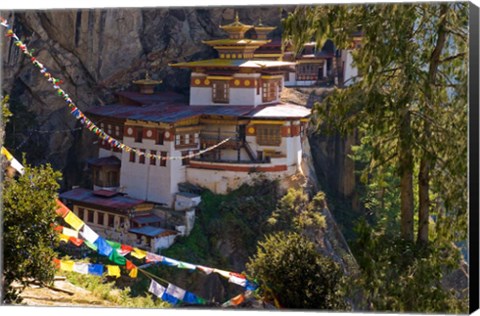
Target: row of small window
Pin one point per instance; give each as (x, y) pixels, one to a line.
(153, 160)
(220, 91)
(110, 129)
(102, 219)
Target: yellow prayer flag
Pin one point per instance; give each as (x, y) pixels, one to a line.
(74, 221)
(7, 153)
(113, 271)
(133, 273)
(67, 265)
(64, 237)
(138, 253)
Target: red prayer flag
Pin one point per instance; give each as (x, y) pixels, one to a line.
(130, 265)
(58, 228)
(62, 209)
(57, 263)
(76, 241)
(126, 248)
(237, 300)
(238, 275)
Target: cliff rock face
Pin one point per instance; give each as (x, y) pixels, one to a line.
(97, 52)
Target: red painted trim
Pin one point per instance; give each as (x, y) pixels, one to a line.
(278, 168)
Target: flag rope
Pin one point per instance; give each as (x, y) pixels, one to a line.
(78, 114)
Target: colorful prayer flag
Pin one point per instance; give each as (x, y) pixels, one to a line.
(80, 267)
(88, 234)
(175, 291)
(138, 253)
(133, 273)
(95, 269)
(103, 248)
(156, 289)
(113, 271)
(70, 232)
(62, 210)
(74, 221)
(66, 265)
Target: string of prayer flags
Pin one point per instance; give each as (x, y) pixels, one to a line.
(113, 271)
(205, 270)
(74, 221)
(78, 114)
(114, 244)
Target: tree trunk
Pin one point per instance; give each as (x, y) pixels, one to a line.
(424, 200)
(426, 160)
(406, 178)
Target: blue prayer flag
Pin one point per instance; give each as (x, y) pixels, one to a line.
(96, 269)
(103, 248)
(169, 298)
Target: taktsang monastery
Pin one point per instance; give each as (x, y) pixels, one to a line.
(235, 97)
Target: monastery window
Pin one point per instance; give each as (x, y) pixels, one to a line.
(163, 162)
(109, 129)
(90, 214)
(138, 135)
(220, 91)
(141, 158)
(269, 91)
(153, 158)
(111, 220)
(117, 130)
(81, 213)
(269, 135)
(102, 126)
(100, 216)
(132, 156)
(160, 137)
(186, 160)
(112, 179)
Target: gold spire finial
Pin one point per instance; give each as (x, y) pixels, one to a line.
(260, 21)
(147, 75)
(236, 17)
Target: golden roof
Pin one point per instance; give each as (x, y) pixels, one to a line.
(147, 80)
(233, 41)
(236, 26)
(233, 63)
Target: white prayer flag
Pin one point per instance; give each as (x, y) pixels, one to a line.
(156, 289)
(80, 267)
(70, 232)
(237, 280)
(175, 291)
(89, 234)
(17, 166)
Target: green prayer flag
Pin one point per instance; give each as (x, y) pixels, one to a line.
(114, 244)
(118, 259)
(90, 245)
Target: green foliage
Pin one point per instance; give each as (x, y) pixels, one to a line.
(399, 276)
(296, 212)
(295, 275)
(238, 218)
(28, 237)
